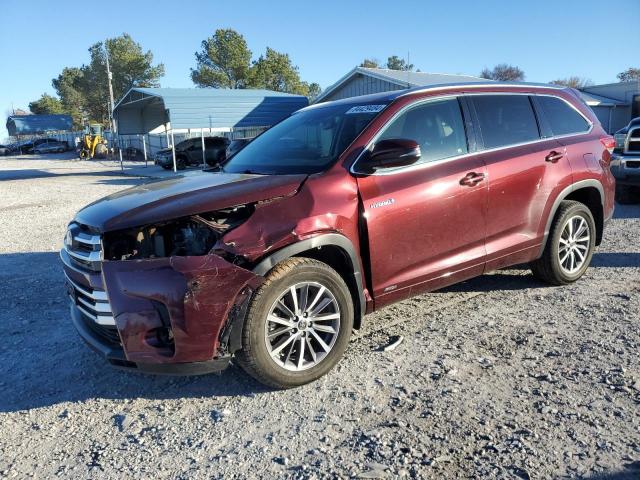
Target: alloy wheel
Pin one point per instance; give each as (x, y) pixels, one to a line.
(574, 244)
(302, 326)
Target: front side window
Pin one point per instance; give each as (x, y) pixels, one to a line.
(562, 119)
(308, 141)
(505, 119)
(437, 126)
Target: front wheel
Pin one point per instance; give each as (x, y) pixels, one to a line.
(570, 245)
(298, 324)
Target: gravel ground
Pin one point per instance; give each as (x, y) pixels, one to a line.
(498, 377)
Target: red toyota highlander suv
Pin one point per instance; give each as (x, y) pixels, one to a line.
(339, 210)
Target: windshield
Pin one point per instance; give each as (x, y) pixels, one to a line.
(307, 142)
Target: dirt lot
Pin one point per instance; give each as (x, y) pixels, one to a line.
(499, 377)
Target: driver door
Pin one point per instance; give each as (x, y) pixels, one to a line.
(426, 222)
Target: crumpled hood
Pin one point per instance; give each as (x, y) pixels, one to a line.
(184, 195)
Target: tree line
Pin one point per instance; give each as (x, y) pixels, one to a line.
(83, 92)
(510, 73)
(223, 61)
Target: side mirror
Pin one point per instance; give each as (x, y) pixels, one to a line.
(394, 152)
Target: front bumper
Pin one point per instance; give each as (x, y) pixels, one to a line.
(199, 301)
(115, 354)
(626, 169)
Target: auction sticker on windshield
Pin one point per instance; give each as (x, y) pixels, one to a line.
(366, 109)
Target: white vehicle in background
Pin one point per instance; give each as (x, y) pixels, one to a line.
(50, 146)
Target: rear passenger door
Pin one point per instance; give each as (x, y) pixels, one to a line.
(525, 167)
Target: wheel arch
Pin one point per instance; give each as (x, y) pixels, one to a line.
(335, 250)
(589, 192)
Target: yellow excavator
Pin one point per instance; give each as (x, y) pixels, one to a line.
(93, 144)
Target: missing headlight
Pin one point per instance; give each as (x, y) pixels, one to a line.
(188, 236)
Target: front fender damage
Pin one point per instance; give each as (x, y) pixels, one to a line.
(176, 309)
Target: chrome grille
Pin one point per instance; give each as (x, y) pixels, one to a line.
(85, 251)
(83, 247)
(633, 141)
(93, 303)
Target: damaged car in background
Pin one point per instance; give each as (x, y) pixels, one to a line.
(189, 153)
(273, 257)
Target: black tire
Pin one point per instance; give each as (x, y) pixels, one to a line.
(254, 356)
(548, 268)
(180, 163)
(627, 194)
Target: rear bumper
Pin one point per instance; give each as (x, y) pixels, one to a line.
(626, 169)
(177, 316)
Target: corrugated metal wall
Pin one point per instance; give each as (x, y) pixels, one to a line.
(362, 85)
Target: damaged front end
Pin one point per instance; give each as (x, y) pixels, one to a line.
(176, 298)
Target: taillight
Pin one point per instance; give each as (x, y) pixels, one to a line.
(609, 143)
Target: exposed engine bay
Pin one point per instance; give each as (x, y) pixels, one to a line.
(189, 236)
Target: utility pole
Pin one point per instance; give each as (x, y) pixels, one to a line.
(109, 77)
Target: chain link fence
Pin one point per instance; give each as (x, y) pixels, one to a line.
(139, 150)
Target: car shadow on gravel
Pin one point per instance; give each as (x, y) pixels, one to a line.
(83, 376)
(501, 280)
(28, 174)
(630, 471)
(616, 260)
(126, 182)
(519, 277)
(626, 211)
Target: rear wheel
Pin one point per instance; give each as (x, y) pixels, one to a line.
(570, 245)
(298, 324)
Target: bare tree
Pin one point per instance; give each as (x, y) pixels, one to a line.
(370, 63)
(396, 63)
(573, 82)
(503, 73)
(629, 75)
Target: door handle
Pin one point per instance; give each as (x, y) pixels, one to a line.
(471, 179)
(553, 156)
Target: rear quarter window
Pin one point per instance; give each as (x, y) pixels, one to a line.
(563, 119)
(505, 120)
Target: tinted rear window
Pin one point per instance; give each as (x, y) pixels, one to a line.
(562, 119)
(505, 119)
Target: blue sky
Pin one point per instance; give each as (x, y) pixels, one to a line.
(548, 39)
